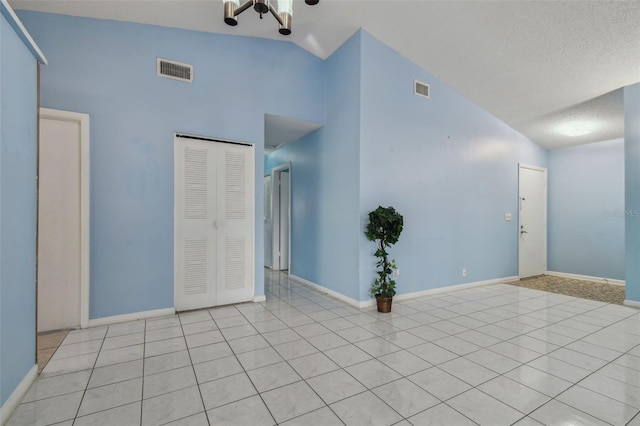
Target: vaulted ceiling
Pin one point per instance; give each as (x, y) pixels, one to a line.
(549, 69)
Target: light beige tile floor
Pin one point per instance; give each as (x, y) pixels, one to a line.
(492, 355)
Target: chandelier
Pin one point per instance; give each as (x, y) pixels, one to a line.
(284, 13)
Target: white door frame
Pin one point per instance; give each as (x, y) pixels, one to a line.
(544, 236)
(274, 172)
(83, 122)
(268, 232)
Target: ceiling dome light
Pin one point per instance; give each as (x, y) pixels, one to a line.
(284, 13)
(576, 128)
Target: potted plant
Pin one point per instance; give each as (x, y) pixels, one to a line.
(385, 225)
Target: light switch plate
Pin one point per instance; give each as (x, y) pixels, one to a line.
(507, 217)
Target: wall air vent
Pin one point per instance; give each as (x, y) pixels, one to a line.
(175, 70)
(421, 89)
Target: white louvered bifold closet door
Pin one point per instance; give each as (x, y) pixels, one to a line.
(213, 223)
(235, 224)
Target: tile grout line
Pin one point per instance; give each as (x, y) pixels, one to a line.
(559, 347)
(562, 347)
(290, 366)
(193, 368)
(246, 372)
(108, 384)
(367, 389)
(573, 384)
(144, 349)
(637, 416)
(86, 389)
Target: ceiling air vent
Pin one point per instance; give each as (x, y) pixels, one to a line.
(174, 70)
(421, 89)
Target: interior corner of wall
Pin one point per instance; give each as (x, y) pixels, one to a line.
(9, 405)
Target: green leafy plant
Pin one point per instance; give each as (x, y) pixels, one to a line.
(385, 226)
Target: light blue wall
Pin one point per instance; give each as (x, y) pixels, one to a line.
(586, 210)
(325, 181)
(339, 172)
(107, 69)
(632, 189)
(18, 123)
(447, 165)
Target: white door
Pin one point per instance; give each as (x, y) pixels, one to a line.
(532, 258)
(194, 224)
(284, 219)
(214, 230)
(280, 194)
(62, 213)
(235, 223)
(268, 224)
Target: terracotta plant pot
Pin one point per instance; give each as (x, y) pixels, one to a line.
(384, 304)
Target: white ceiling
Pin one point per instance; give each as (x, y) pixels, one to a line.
(535, 65)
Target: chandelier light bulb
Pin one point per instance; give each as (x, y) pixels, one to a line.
(283, 14)
(230, 8)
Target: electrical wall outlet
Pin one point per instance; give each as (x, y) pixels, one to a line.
(464, 272)
(396, 274)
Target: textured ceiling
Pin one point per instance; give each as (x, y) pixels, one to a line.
(536, 65)
(279, 131)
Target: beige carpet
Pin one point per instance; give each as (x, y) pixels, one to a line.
(608, 293)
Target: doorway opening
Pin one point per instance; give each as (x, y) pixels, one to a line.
(268, 223)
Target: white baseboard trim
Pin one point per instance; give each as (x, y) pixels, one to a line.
(258, 299)
(321, 289)
(369, 303)
(131, 317)
(587, 278)
(457, 287)
(631, 303)
(16, 396)
(398, 297)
